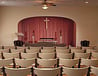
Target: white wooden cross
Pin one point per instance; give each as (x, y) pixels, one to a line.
(46, 22)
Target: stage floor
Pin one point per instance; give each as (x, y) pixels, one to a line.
(47, 44)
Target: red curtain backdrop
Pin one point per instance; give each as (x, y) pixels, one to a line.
(56, 26)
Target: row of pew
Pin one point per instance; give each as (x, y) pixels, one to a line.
(48, 61)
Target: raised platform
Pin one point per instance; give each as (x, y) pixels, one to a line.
(47, 44)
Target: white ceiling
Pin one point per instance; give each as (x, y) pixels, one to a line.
(39, 2)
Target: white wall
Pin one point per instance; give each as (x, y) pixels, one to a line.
(86, 19)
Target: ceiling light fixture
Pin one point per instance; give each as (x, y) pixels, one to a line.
(85, 1)
(44, 6)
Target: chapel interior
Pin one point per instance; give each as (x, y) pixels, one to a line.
(48, 38)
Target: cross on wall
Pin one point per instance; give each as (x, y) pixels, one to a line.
(46, 23)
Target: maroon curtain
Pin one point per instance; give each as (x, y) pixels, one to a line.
(56, 26)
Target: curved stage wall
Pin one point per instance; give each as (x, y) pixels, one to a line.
(62, 30)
